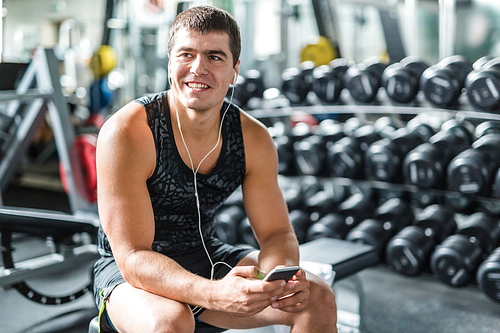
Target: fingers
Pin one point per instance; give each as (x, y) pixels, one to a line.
(248, 272)
(292, 302)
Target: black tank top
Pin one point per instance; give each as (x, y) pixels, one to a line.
(171, 186)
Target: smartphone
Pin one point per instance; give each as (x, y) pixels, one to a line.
(285, 273)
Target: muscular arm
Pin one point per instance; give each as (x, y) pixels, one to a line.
(263, 199)
(125, 160)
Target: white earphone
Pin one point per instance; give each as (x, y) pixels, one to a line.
(197, 309)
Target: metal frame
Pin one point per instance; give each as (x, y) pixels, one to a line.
(47, 97)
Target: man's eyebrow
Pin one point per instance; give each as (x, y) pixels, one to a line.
(207, 52)
(217, 52)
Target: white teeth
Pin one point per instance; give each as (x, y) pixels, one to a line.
(197, 86)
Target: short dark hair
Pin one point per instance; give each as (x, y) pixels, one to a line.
(204, 19)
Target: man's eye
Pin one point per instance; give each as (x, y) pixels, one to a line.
(185, 55)
(215, 58)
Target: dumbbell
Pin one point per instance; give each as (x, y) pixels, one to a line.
(409, 250)
(330, 130)
(246, 233)
(386, 126)
(401, 80)
(324, 201)
(238, 93)
(254, 83)
(472, 171)
(363, 80)
(355, 208)
(349, 213)
(310, 155)
(384, 158)
(483, 230)
(228, 222)
(371, 232)
(483, 86)
(297, 82)
(486, 127)
(345, 157)
(426, 165)
(328, 80)
(442, 84)
(284, 146)
(457, 258)
(351, 125)
(301, 222)
(389, 218)
(488, 275)
(294, 197)
(331, 225)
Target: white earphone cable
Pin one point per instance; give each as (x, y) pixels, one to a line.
(197, 309)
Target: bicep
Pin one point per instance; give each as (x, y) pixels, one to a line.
(123, 166)
(263, 199)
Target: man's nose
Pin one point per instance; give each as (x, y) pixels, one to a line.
(198, 67)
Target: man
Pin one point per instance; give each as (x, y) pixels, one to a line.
(165, 164)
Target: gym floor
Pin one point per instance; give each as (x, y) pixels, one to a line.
(391, 302)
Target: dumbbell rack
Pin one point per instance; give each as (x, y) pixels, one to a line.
(383, 107)
(38, 95)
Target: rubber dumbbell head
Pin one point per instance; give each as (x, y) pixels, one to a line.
(395, 214)
(293, 86)
(310, 156)
(488, 276)
(286, 158)
(437, 221)
(254, 84)
(472, 171)
(371, 232)
(364, 80)
(426, 165)
(487, 127)
(409, 250)
(401, 80)
(246, 233)
(442, 84)
(329, 226)
(331, 131)
(228, 222)
(483, 230)
(328, 80)
(456, 260)
(384, 158)
(356, 208)
(301, 222)
(483, 86)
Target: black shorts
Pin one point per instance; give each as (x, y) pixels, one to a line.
(107, 275)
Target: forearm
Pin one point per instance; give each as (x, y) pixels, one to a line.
(160, 275)
(279, 248)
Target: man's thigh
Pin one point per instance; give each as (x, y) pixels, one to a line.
(135, 310)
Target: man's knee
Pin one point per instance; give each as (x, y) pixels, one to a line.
(179, 320)
(322, 297)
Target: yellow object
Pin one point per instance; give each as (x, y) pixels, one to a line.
(103, 61)
(321, 52)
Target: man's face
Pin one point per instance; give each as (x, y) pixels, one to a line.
(201, 67)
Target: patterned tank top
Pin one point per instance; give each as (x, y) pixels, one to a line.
(171, 187)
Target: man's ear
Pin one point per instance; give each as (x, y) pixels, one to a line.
(236, 72)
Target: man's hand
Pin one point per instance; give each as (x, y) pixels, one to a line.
(242, 293)
(296, 295)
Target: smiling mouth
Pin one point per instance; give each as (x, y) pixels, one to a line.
(197, 86)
